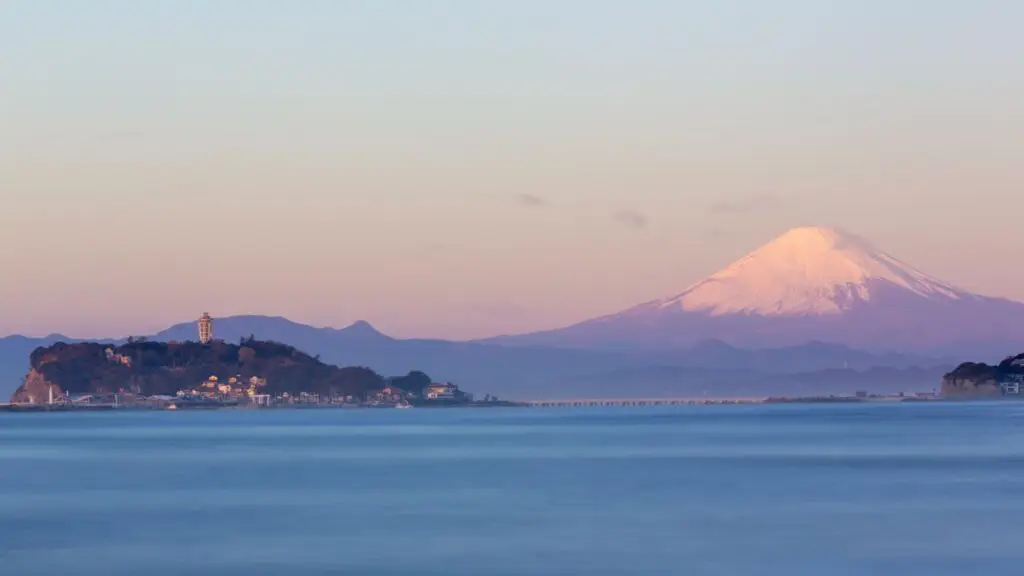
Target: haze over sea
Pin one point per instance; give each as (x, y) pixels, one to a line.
(921, 488)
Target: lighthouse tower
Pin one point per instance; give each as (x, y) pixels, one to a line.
(205, 328)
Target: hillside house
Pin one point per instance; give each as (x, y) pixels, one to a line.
(1012, 384)
(118, 358)
(441, 391)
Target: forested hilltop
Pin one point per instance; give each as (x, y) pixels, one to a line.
(151, 368)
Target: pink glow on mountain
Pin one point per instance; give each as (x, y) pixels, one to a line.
(806, 271)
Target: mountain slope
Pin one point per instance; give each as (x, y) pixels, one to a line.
(306, 338)
(809, 284)
(808, 271)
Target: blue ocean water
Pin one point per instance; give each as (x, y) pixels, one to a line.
(852, 489)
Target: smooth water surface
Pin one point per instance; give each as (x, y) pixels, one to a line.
(902, 489)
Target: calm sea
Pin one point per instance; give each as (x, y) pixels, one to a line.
(928, 489)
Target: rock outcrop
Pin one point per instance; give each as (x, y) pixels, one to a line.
(35, 389)
(970, 388)
(975, 380)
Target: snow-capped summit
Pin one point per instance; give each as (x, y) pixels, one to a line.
(809, 284)
(806, 271)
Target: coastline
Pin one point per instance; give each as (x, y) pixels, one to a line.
(552, 403)
(207, 406)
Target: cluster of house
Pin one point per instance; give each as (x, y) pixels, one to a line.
(390, 395)
(233, 387)
(118, 358)
(441, 391)
(238, 388)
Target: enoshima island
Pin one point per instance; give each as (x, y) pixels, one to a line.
(211, 373)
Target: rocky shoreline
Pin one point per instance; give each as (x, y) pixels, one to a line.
(977, 381)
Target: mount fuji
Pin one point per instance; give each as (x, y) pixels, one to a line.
(810, 284)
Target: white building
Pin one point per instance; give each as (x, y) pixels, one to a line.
(1012, 384)
(444, 391)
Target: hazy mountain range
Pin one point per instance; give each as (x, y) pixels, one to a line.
(539, 371)
(816, 310)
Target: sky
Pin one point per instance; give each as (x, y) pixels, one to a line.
(462, 169)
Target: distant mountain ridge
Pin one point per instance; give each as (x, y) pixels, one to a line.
(514, 372)
(282, 329)
(809, 284)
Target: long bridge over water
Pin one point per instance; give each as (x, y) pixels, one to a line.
(592, 402)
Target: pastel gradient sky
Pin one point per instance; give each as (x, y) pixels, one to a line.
(468, 168)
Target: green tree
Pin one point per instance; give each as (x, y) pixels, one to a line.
(414, 381)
